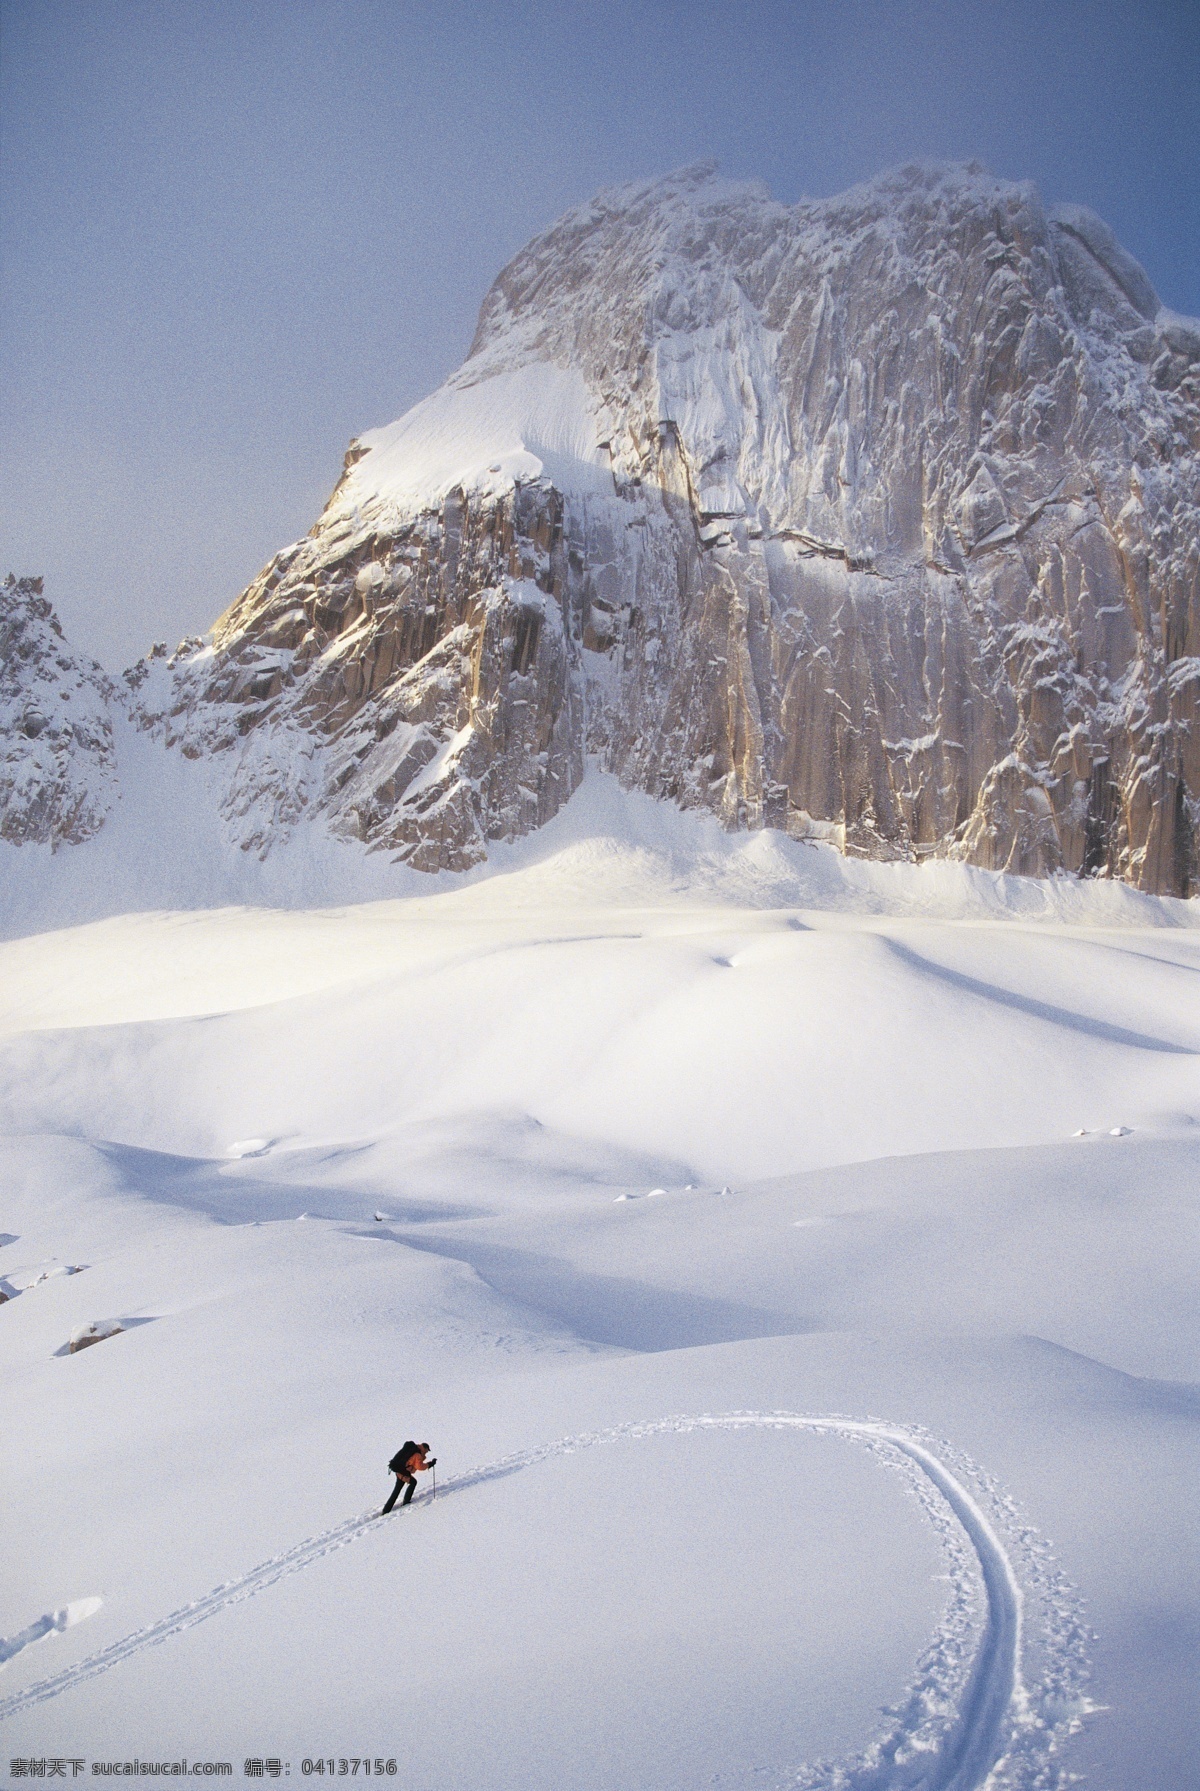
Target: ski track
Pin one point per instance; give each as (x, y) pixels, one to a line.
(976, 1733)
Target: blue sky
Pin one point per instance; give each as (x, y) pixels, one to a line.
(235, 235)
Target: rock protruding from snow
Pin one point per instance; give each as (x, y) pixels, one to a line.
(84, 1336)
(875, 519)
(57, 766)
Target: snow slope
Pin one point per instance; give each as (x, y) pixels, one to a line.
(166, 846)
(484, 434)
(715, 1207)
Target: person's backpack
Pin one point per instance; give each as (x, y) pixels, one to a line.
(397, 1465)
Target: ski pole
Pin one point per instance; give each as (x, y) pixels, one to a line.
(433, 1493)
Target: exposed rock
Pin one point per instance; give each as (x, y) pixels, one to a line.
(876, 519)
(96, 1332)
(417, 687)
(57, 767)
(25, 1280)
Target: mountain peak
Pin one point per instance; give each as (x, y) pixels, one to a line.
(871, 519)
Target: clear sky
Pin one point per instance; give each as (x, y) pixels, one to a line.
(236, 233)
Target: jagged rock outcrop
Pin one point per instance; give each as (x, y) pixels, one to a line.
(416, 689)
(875, 519)
(57, 765)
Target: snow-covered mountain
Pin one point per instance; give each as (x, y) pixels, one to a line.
(874, 519)
(791, 1257)
(57, 764)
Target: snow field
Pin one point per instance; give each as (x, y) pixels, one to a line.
(733, 1046)
(960, 1738)
(349, 1175)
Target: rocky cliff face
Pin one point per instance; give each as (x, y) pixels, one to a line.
(876, 519)
(57, 767)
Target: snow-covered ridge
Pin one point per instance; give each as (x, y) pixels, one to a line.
(699, 282)
(702, 273)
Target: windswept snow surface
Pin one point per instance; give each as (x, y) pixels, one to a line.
(483, 434)
(862, 1455)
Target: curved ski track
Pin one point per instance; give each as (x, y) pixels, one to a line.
(993, 1696)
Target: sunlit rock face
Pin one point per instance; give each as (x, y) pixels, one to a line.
(57, 765)
(875, 519)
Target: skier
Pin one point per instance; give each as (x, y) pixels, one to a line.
(409, 1460)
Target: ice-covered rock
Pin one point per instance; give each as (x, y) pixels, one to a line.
(875, 519)
(57, 767)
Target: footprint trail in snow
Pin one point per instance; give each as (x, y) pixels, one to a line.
(967, 1722)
